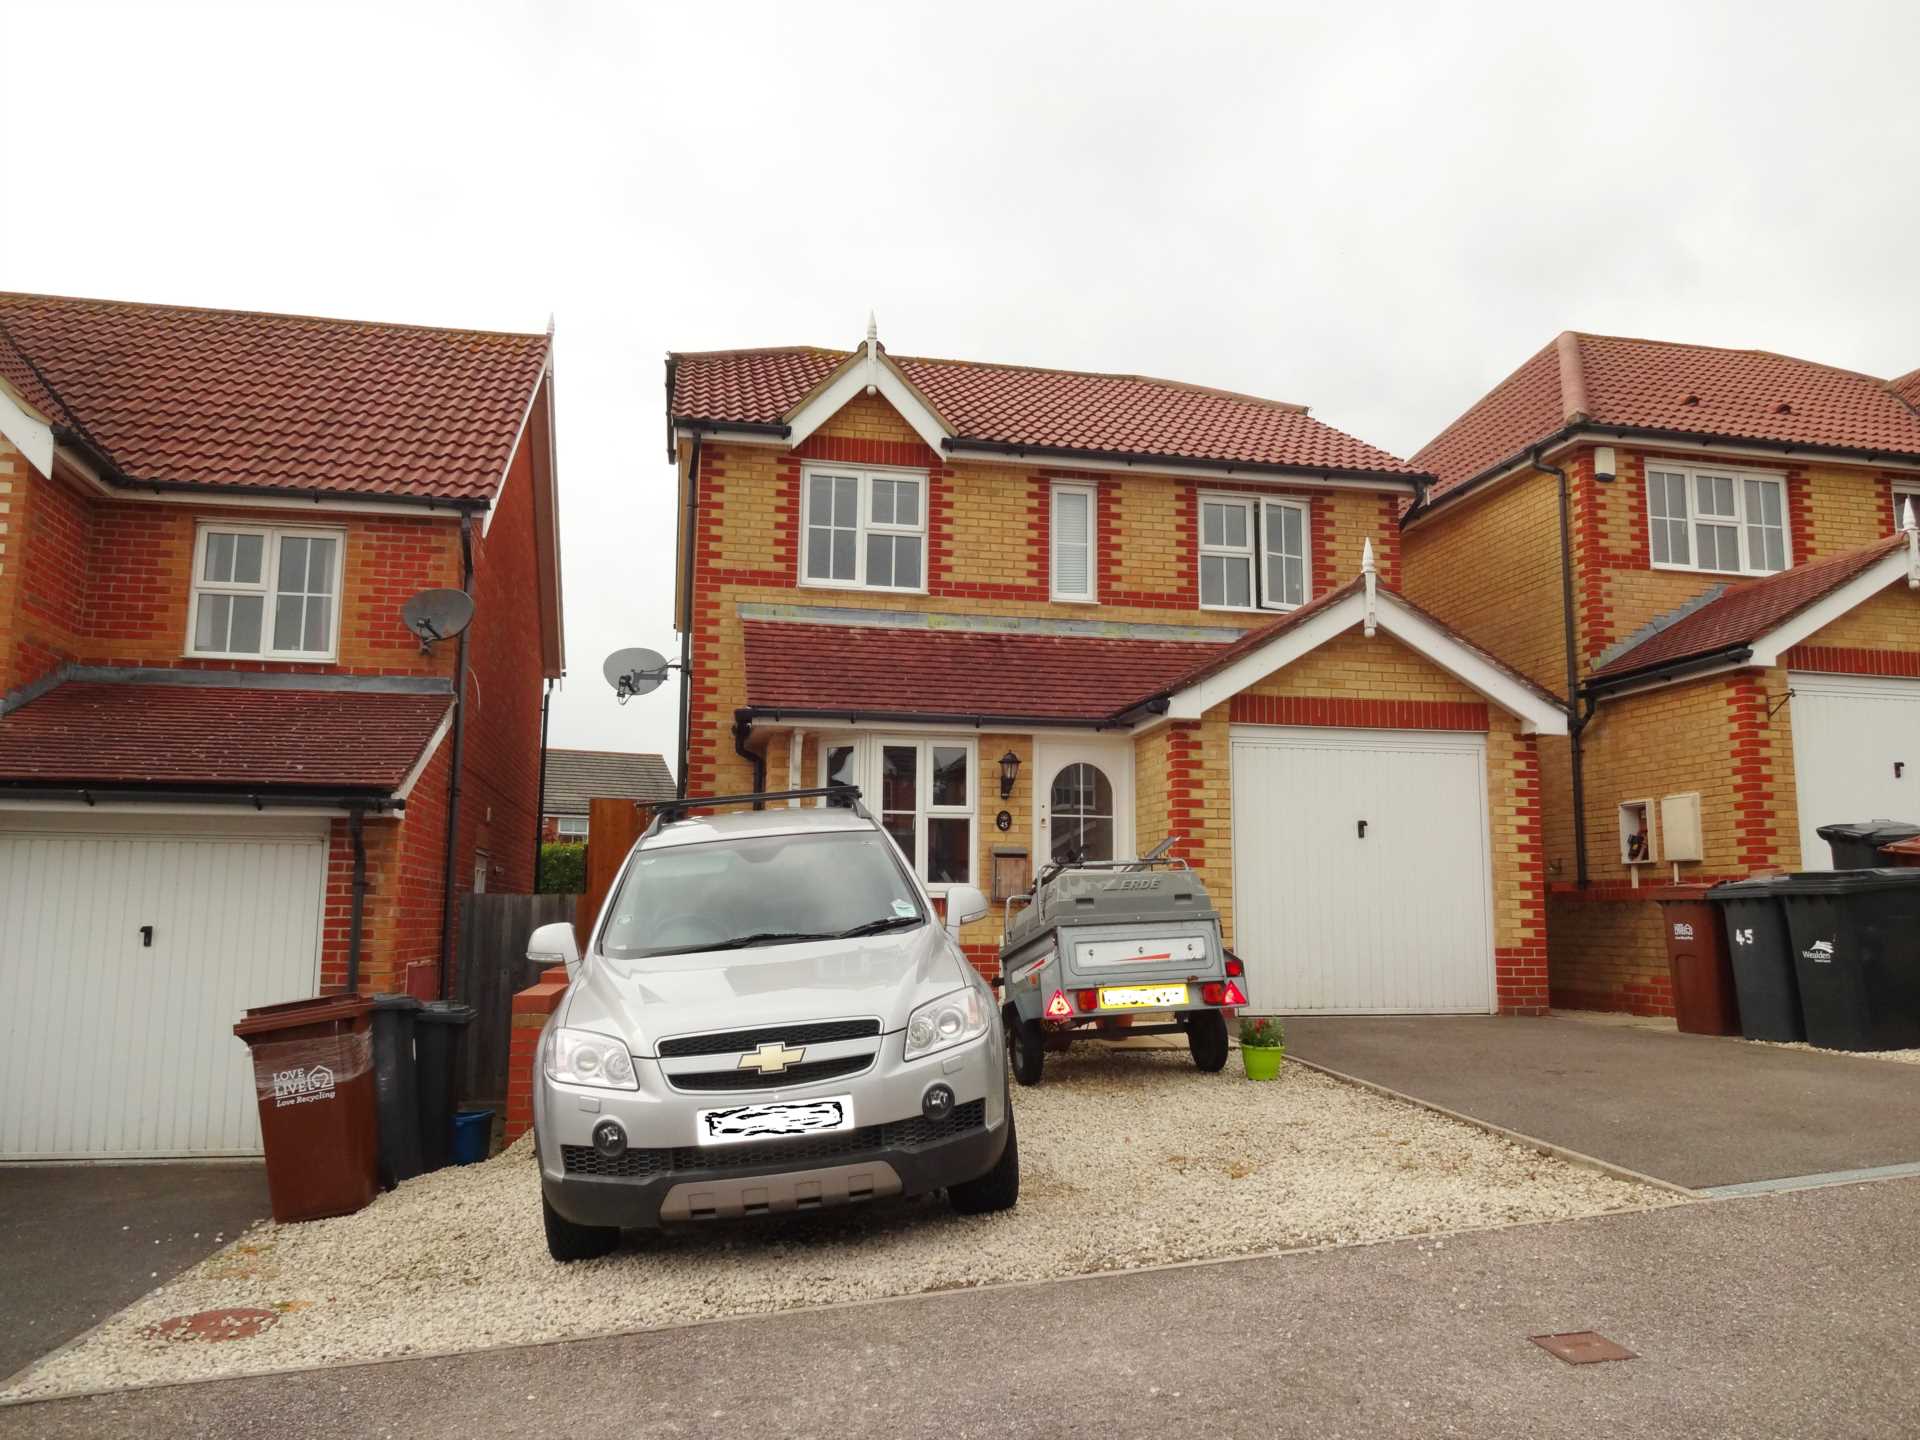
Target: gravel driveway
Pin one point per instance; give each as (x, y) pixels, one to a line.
(1128, 1159)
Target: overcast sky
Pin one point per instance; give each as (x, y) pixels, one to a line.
(1377, 212)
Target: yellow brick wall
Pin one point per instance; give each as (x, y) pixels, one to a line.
(1889, 621)
(1852, 507)
(1352, 667)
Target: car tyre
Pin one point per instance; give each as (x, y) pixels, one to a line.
(999, 1188)
(568, 1241)
(1207, 1040)
(1026, 1047)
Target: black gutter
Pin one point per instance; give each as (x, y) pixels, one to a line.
(742, 730)
(778, 713)
(279, 798)
(356, 823)
(733, 427)
(1042, 454)
(1671, 669)
(459, 753)
(690, 538)
(540, 807)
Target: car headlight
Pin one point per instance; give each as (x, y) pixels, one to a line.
(580, 1057)
(951, 1020)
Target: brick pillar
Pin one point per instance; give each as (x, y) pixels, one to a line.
(531, 1009)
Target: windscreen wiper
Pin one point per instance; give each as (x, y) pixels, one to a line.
(880, 927)
(769, 937)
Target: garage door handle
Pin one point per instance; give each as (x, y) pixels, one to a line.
(1363, 829)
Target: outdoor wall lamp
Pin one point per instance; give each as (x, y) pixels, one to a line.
(1009, 772)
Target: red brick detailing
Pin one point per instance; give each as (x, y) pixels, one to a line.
(1031, 581)
(1613, 892)
(1358, 714)
(1593, 609)
(1387, 550)
(984, 958)
(1186, 544)
(1320, 547)
(1652, 994)
(1753, 779)
(1186, 805)
(1520, 971)
(1110, 534)
(939, 528)
(1801, 539)
(1851, 660)
(531, 1009)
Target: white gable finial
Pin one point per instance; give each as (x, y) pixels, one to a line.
(873, 329)
(1913, 544)
(1368, 573)
(873, 354)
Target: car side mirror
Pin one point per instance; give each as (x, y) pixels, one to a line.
(965, 903)
(555, 945)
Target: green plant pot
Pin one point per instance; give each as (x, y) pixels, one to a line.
(1262, 1061)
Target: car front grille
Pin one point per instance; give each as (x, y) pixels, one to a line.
(793, 1075)
(801, 1149)
(723, 1042)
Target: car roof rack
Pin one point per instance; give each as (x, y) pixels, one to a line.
(668, 810)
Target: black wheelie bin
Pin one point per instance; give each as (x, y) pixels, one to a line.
(395, 1086)
(437, 1036)
(1762, 952)
(1856, 950)
(1856, 845)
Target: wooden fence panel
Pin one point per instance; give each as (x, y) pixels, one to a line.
(493, 958)
(612, 827)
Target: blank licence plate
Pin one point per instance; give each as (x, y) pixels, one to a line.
(737, 1123)
(1142, 997)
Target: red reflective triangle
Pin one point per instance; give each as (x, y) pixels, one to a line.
(1058, 1008)
(1234, 997)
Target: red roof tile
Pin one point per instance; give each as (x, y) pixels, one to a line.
(1040, 409)
(95, 733)
(1747, 612)
(225, 397)
(1738, 395)
(1907, 387)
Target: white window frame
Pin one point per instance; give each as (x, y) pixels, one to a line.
(1690, 476)
(864, 526)
(867, 752)
(1902, 493)
(1091, 595)
(564, 832)
(1259, 583)
(268, 587)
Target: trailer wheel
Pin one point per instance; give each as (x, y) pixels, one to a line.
(1207, 1040)
(1026, 1047)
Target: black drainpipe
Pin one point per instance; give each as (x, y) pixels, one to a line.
(1576, 722)
(459, 752)
(540, 806)
(356, 823)
(691, 541)
(742, 728)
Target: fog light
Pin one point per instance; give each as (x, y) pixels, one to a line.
(937, 1103)
(609, 1139)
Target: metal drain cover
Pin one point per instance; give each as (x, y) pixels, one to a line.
(1582, 1347)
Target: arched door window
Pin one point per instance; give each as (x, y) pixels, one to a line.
(1082, 813)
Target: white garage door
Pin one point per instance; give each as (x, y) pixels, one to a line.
(1856, 751)
(119, 1037)
(1362, 879)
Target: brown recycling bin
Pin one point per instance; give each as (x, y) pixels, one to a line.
(1704, 1000)
(313, 1072)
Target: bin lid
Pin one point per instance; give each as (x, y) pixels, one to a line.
(446, 1012)
(1753, 887)
(1881, 832)
(1846, 882)
(393, 1002)
(293, 1014)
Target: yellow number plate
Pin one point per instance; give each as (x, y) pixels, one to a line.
(1142, 997)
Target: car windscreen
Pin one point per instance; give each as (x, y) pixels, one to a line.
(773, 889)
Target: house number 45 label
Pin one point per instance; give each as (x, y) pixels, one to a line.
(1743, 937)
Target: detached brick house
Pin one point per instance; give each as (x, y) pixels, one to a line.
(227, 767)
(576, 778)
(1734, 604)
(1038, 613)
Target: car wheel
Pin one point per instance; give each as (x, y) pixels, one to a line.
(999, 1188)
(1026, 1047)
(568, 1241)
(1207, 1040)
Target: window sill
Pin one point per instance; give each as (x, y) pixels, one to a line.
(1074, 599)
(239, 659)
(1700, 570)
(849, 587)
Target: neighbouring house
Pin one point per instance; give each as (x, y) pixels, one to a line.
(576, 778)
(1039, 613)
(1730, 593)
(228, 770)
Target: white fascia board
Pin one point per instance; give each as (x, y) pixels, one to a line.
(858, 373)
(1538, 715)
(1768, 649)
(426, 756)
(26, 432)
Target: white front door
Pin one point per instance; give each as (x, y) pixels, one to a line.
(1082, 800)
(127, 951)
(1856, 754)
(1362, 871)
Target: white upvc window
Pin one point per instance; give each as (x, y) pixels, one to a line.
(1904, 495)
(1708, 518)
(1253, 553)
(924, 791)
(863, 529)
(267, 592)
(570, 828)
(1074, 527)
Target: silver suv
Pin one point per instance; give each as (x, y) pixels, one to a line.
(768, 1018)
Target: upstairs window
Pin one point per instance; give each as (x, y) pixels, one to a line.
(1072, 529)
(864, 529)
(265, 592)
(1716, 520)
(1253, 553)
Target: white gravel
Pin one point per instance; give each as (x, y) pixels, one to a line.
(1128, 1159)
(1898, 1057)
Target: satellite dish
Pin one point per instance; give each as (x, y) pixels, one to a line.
(635, 671)
(437, 615)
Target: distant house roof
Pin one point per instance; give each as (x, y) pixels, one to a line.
(1069, 411)
(1657, 387)
(169, 395)
(575, 777)
(105, 734)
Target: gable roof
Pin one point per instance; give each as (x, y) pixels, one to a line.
(1657, 387)
(576, 777)
(1018, 408)
(228, 399)
(1741, 616)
